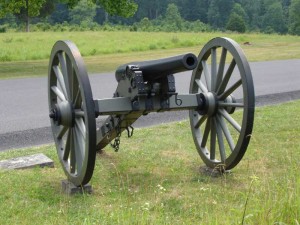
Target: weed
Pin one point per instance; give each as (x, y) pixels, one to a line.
(175, 39)
(8, 40)
(152, 46)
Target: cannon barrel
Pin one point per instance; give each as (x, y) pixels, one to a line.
(156, 69)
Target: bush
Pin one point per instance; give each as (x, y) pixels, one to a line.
(236, 23)
(3, 28)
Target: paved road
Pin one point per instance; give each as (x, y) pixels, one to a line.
(24, 104)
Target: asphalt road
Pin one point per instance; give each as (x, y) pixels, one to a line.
(24, 103)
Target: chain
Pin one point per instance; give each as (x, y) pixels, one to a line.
(117, 141)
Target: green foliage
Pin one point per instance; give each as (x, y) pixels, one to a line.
(236, 23)
(274, 18)
(218, 12)
(237, 19)
(269, 16)
(15, 6)
(172, 22)
(83, 13)
(29, 8)
(173, 19)
(294, 19)
(123, 8)
(252, 9)
(239, 10)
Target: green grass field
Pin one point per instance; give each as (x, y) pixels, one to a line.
(27, 54)
(155, 179)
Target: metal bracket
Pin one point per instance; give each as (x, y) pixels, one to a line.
(130, 130)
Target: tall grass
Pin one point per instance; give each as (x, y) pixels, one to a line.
(27, 54)
(37, 45)
(155, 179)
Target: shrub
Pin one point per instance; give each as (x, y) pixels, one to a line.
(236, 23)
(3, 28)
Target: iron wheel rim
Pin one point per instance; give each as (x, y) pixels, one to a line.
(75, 142)
(219, 115)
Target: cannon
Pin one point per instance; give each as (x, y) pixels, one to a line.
(220, 101)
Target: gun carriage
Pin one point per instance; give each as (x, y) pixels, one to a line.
(220, 103)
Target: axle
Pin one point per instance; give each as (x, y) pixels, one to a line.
(123, 112)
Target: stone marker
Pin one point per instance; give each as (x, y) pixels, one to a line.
(25, 162)
(70, 189)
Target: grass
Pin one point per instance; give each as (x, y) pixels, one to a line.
(155, 179)
(26, 55)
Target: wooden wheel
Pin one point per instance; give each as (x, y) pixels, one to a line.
(222, 130)
(72, 112)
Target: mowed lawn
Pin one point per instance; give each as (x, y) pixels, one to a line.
(155, 178)
(27, 54)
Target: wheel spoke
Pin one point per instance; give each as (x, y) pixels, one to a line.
(67, 146)
(221, 68)
(78, 99)
(75, 87)
(226, 132)
(201, 86)
(79, 148)
(60, 79)
(73, 153)
(81, 127)
(230, 90)
(71, 78)
(206, 75)
(206, 133)
(213, 68)
(226, 115)
(64, 70)
(227, 76)
(213, 139)
(200, 121)
(231, 104)
(79, 113)
(220, 141)
(58, 93)
(61, 132)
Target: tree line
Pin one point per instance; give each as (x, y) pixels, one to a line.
(268, 16)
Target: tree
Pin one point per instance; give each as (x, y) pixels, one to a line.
(123, 8)
(150, 9)
(31, 8)
(83, 13)
(253, 9)
(173, 18)
(236, 23)
(294, 17)
(190, 10)
(60, 14)
(218, 12)
(237, 19)
(274, 19)
(239, 10)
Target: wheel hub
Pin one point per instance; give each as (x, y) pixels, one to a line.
(230, 99)
(208, 104)
(63, 114)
